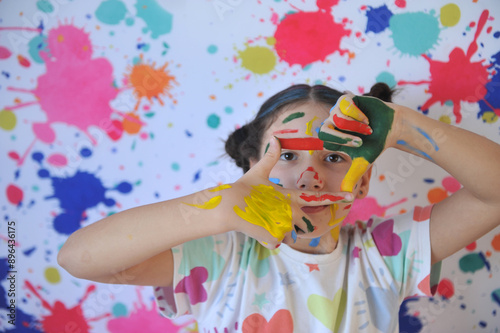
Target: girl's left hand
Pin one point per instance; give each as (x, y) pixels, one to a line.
(362, 127)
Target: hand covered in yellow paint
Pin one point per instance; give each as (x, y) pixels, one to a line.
(359, 126)
(269, 212)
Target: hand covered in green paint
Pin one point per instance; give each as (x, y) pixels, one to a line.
(269, 212)
(359, 126)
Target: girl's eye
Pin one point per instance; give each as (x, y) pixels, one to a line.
(334, 158)
(288, 156)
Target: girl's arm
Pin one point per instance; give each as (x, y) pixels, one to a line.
(133, 246)
(473, 160)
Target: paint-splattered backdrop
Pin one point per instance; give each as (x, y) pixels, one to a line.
(106, 105)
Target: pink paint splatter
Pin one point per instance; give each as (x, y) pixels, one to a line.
(193, 285)
(305, 37)
(57, 160)
(448, 83)
(62, 319)
(142, 319)
(363, 209)
(4, 52)
(388, 242)
(75, 90)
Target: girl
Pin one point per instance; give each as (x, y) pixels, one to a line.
(216, 254)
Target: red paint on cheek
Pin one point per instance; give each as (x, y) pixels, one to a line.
(351, 125)
(301, 144)
(286, 131)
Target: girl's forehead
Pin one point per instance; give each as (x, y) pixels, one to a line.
(300, 121)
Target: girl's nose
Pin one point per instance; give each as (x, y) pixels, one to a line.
(310, 180)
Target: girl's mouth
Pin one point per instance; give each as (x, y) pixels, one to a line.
(313, 209)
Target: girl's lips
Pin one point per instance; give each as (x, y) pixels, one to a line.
(313, 209)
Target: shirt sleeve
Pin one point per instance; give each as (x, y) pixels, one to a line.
(198, 264)
(404, 244)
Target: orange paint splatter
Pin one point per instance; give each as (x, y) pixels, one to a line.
(131, 123)
(212, 97)
(495, 242)
(381, 178)
(436, 195)
(149, 82)
(23, 61)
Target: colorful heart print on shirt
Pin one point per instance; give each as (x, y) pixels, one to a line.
(366, 151)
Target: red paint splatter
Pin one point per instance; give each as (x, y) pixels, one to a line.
(4, 52)
(286, 131)
(62, 319)
(301, 144)
(23, 61)
(459, 79)
(445, 288)
(324, 197)
(315, 176)
(351, 125)
(400, 3)
(14, 194)
(472, 246)
(305, 37)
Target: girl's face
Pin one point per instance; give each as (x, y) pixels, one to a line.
(311, 170)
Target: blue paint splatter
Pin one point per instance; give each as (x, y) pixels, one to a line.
(76, 194)
(418, 151)
(407, 322)
(197, 176)
(314, 242)
(188, 134)
(378, 19)
(492, 98)
(429, 180)
(294, 237)
(274, 180)
(85, 152)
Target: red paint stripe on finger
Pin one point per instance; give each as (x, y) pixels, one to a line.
(351, 125)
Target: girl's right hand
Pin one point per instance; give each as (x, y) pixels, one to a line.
(268, 212)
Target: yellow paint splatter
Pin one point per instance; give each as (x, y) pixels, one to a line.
(210, 204)
(220, 188)
(52, 275)
(258, 59)
(334, 220)
(309, 126)
(268, 208)
(490, 117)
(335, 232)
(358, 168)
(445, 119)
(350, 109)
(450, 15)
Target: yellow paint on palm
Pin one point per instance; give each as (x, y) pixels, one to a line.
(309, 126)
(268, 208)
(210, 204)
(358, 168)
(220, 188)
(351, 110)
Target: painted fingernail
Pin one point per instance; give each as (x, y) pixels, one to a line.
(298, 229)
(277, 245)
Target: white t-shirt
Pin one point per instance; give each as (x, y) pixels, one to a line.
(230, 283)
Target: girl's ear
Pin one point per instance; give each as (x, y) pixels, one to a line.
(364, 184)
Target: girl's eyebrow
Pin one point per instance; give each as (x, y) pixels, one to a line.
(284, 131)
(301, 143)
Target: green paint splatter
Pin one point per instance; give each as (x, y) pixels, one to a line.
(387, 78)
(381, 117)
(267, 147)
(293, 116)
(228, 109)
(213, 121)
(111, 12)
(212, 49)
(157, 19)
(37, 44)
(119, 310)
(414, 33)
(45, 6)
(310, 227)
(471, 262)
(175, 166)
